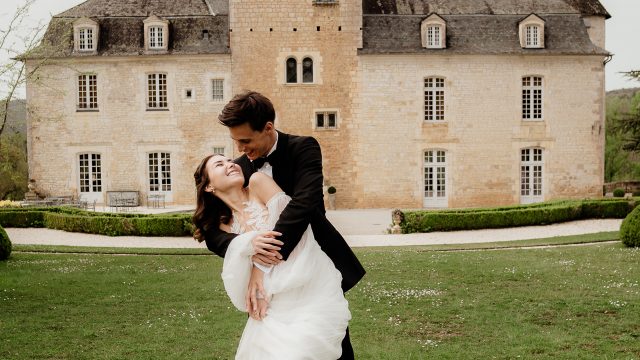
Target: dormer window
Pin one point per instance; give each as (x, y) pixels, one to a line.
(433, 30)
(434, 39)
(156, 39)
(532, 32)
(85, 34)
(156, 34)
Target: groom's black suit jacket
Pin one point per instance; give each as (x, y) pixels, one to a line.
(297, 169)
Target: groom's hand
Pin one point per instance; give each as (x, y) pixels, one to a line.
(266, 248)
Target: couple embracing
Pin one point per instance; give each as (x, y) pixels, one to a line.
(284, 262)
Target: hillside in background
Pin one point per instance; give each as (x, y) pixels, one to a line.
(17, 120)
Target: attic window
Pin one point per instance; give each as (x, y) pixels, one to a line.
(531, 31)
(85, 39)
(434, 32)
(85, 34)
(532, 36)
(156, 38)
(434, 37)
(156, 33)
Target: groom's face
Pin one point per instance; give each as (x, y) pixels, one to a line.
(253, 143)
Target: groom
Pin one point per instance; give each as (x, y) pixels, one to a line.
(295, 163)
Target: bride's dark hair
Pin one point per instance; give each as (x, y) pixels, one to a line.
(210, 210)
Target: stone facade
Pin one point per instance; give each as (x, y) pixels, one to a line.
(375, 154)
(122, 130)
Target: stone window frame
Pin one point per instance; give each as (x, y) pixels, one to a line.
(90, 171)
(326, 112)
(434, 165)
(434, 21)
(530, 22)
(158, 98)
(529, 88)
(85, 103)
(81, 25)
(159, 172)
(531, 169)
(154, 22)
(433, 91)
(299, 59)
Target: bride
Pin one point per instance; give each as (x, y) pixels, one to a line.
(302, 312)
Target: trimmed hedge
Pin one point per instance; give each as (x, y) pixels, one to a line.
(630, 229)
(511, 216)
(75, 220)
(5, 245)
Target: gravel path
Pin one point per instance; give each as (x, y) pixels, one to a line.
(57, 237)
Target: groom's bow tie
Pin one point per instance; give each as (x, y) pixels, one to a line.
(259, 162)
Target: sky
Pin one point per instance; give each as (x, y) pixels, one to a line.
(622, 32)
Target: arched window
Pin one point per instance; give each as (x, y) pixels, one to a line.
(307, 70)
(292, 71)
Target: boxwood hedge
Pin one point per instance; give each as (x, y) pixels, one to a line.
(113, 224)
(416, 221)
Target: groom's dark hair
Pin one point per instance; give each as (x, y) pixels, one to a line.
(249, 107)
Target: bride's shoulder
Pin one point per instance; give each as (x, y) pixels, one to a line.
(263, 187)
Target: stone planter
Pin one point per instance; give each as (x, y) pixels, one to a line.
(332, 201)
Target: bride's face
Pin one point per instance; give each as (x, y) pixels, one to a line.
(223, 174)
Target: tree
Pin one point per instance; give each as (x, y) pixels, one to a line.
(628, 123)
(15, 39)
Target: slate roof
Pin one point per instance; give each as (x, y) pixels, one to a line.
(113, 8)
(478, 27)
(486, 7)
(475, 34)
(122, 28)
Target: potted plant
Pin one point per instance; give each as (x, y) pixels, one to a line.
(331, 190)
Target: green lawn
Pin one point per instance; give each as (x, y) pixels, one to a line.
(558, 303)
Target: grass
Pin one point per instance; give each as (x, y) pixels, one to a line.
(566, 302)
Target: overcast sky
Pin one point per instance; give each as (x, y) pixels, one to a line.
(622, 33)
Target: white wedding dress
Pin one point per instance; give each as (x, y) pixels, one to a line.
(308, 315)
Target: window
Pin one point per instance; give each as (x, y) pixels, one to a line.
(156, 34)
(159, 172)
(90, 173)
(434, 99)
(532, 36)
(531, 166)
(531, 32)
(433, 37)
(157, 91)
(292, 71)
(307, 70)
(326, 120)
(85, 39)
(218, 150)
(435, 178)
(87, 92)
(217, 89)
(433, 31)
(156, 38)
(532, 98)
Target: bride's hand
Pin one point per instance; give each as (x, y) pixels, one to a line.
(266, 247)
(256, 297)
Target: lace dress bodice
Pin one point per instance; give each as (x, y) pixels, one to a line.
(259, 218)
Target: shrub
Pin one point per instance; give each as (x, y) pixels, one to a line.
(618, 193)
(331, 190)
(5, 245)
(21, 219)
(630, 229)
(509, 216)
